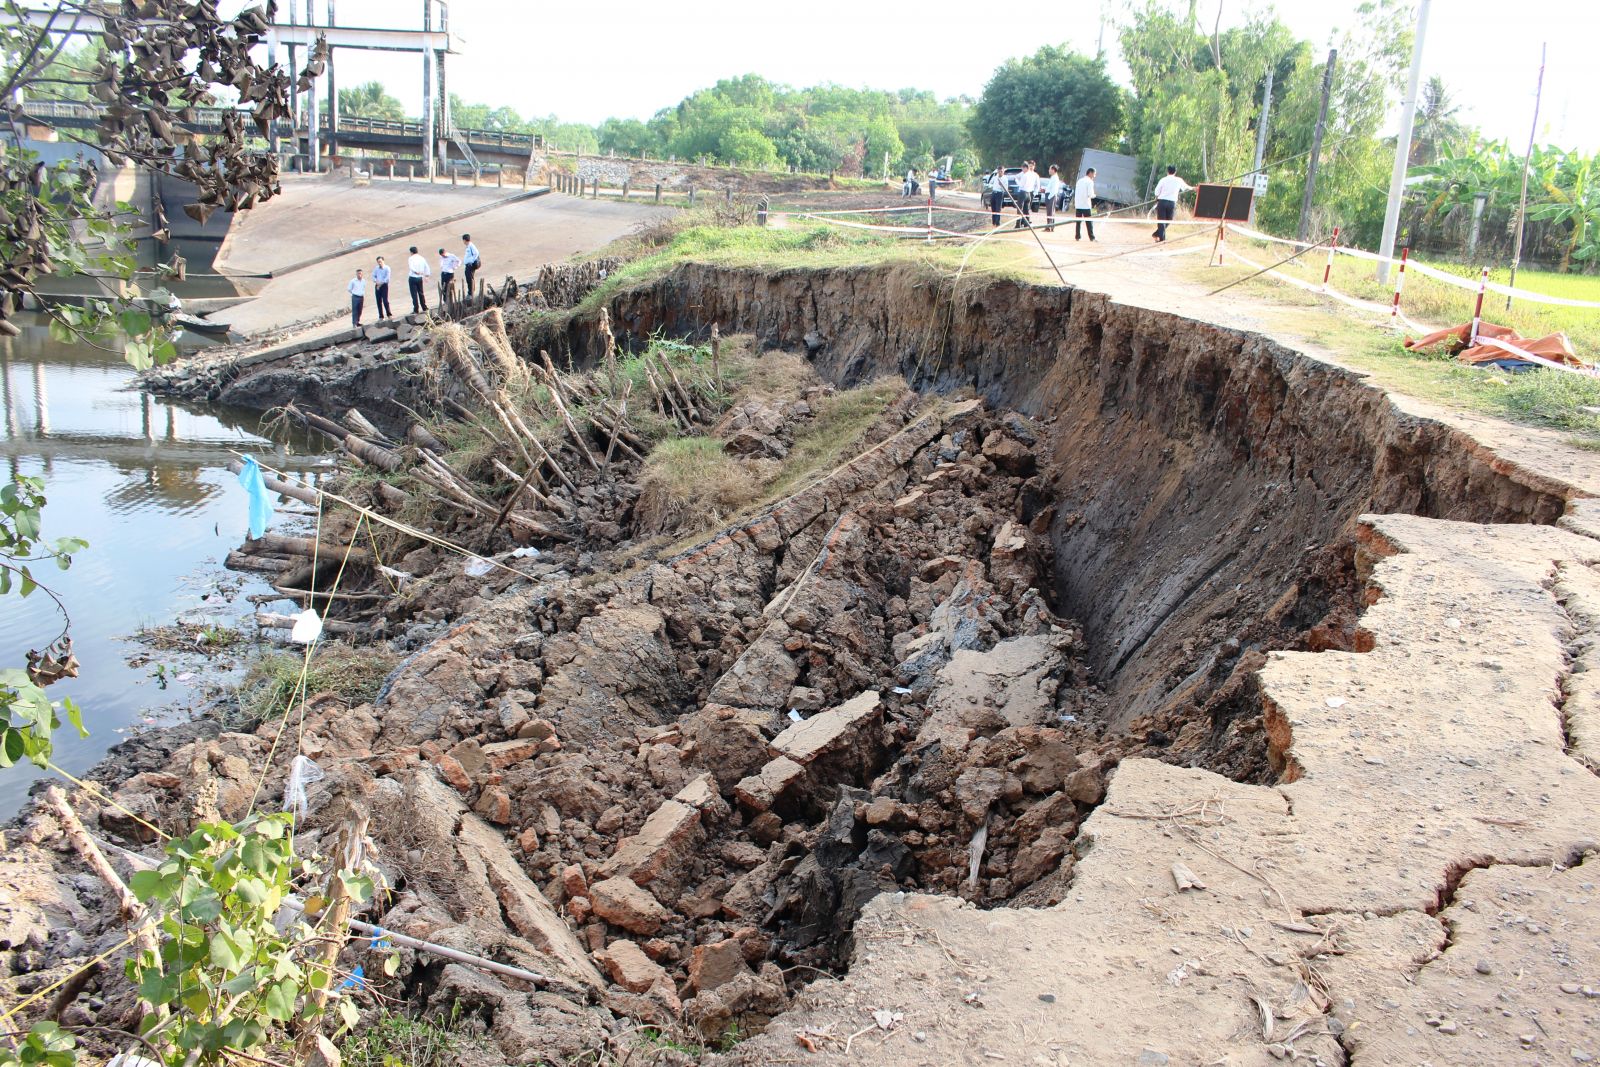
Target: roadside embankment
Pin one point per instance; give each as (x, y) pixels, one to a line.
(937, 673)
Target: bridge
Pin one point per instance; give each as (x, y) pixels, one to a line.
(381, 135)
(434, 135)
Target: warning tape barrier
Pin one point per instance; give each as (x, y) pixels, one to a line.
(1432, 272)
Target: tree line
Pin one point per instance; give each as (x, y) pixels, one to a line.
(1194, 100)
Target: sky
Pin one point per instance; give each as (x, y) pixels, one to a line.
(629, 58)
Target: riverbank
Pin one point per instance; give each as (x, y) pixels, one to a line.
(1110, 673)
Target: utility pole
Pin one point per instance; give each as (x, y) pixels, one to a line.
(1402, 148)
(1261, 136)
(333, 97)
(1522, 205)
(1316, 147)
(427, 92)
(1261, 123)
(313, 120)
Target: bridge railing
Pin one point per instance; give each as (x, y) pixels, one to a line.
(208, 118)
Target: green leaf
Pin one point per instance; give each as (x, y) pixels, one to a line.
(280, 1000)
(74, 716)
(229, 953)
(348, 1012)
(391, 964)
(146, 885)
(359, 886)
(11, 747)
(28, 584)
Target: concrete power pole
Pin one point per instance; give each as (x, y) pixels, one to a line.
(1522, 204)
(1261, 136)
(1316, 148)
(313, 120)
(1402, 147)
(427, 93)
(333, 97)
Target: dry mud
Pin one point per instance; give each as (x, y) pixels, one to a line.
(1137, 691)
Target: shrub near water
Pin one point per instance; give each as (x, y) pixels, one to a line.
(270, 687)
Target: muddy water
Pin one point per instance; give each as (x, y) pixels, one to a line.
(145, 482)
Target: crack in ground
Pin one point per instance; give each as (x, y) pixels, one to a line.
(1573, 653)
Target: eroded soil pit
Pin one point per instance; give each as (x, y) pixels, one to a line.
(669, 778)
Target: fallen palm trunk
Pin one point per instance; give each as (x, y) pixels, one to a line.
(244, 561)
(285, 545)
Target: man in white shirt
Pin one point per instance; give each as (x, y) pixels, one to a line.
(1168, 190)
(448, 265)
(995, 188)
(1083, 204)
(1027, 186)
(470, 260)
(380, 289)
(358, 296)
(417, 272)
(1052, 188)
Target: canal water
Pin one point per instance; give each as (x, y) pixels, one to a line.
(145, 482)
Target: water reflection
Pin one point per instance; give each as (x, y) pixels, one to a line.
(145, 482)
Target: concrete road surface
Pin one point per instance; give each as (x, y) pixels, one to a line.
(515, 239)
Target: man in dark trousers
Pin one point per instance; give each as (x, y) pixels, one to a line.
(1168, 190)
(380, 289)
(358, 296)
(1083, 205)
(995, 185)
(470, 261)
(417, 272)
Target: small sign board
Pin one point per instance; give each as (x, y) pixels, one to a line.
(1230, 202)
(1260, 179)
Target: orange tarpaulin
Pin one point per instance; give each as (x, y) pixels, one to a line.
(1554, 347)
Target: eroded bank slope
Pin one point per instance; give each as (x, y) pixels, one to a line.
(1191, 496)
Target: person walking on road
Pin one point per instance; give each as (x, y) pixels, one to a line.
(358, 296)
(1083, 204)
(470, 260)
(448, 265)
(1168, 190)
(1052, 188)
(380, 289)
(417, 272)
(1027, 188)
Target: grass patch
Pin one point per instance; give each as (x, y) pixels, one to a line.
(1547, 398)
(693, 476)
(1436, 303)
(271, 685)
(814, 246)
(403, 1041)
(839, 422)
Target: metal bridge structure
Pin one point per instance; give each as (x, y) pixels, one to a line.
(326, 131)
(379, 135)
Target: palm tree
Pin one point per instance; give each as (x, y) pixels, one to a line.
(370, 101)
(1438, 127)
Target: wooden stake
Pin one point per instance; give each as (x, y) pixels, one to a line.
(566, 416)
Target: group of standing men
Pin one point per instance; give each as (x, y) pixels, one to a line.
(1052, 192)
(417, 274)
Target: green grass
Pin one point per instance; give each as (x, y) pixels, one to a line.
(839, 422)
(774, 248)
(1436, 303)
(403, 1041)
(1547, 398)
(270, 686)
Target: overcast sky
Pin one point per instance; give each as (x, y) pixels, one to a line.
(628, 58)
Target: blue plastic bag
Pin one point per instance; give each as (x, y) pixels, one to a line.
(256, 487)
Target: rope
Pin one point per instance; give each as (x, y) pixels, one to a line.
(1432, 272)
(102, 795)
(52, 987)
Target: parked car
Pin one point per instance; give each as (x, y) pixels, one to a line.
(1010, 176)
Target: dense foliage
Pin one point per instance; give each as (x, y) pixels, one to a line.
(1048, 106)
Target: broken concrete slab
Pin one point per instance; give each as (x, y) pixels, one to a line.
(621, 902)
(629, 967)
(762, 790)
(670, 832)
(828, 731)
